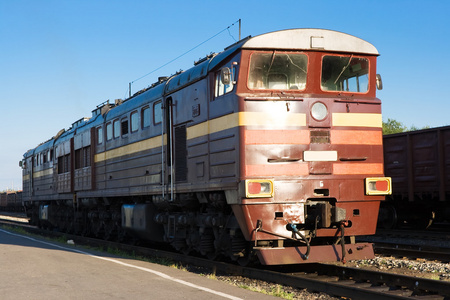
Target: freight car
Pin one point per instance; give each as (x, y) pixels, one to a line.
(11, 201)
(419, 164)
(269, 149)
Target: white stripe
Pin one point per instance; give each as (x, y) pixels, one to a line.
(320, 155)
(160, 274)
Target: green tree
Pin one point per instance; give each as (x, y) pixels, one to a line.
(393, 126)
(416, 128)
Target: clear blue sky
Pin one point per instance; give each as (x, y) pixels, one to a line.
(59, 59)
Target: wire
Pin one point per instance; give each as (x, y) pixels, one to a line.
(185, 53)
(229, 33)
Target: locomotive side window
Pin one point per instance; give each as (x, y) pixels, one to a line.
(145, 117)
(99, 135)
(83, 157)
(124, 126)
(64, 164)
(157, 112)
(50, 155)
(134, 121)
(345, 73)
(109, 131)
(277, 71)
(116, 128)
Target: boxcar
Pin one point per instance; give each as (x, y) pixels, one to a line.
(419, 164)
(11, 201)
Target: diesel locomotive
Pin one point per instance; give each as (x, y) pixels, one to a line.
(270, 150)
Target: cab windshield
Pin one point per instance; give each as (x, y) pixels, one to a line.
(277, 71)
(345, 73)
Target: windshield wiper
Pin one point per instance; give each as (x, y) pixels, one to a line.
(343, 69)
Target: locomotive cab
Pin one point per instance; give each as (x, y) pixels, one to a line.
(311, 146)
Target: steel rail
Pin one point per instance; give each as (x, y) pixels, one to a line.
(412, 251)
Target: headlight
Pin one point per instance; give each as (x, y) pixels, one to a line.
(256, 188)
(378, 186)
(319, 111)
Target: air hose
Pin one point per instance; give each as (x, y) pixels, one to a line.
(342, 229)
(308, 247)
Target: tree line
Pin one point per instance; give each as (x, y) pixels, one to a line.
(393, 126)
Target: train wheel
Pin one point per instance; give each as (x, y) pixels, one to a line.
(110, 232)
(387, 216)
(122, 235)
(243, 261)
(431, 220)
(206, 246)
(425, 220)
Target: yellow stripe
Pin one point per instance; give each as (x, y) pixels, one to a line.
(272, 119)
(129, 149)
(246, 119)
(43, 173)
(357, 120)
(212, 126)
(197, 130)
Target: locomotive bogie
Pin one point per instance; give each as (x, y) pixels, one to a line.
(250, 151)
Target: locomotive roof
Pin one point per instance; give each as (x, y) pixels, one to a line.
(291, 39)
(311, 39)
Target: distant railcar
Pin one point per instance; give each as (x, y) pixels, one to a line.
(11, 201)
(270, 149)
(3, 201)
(419, 164)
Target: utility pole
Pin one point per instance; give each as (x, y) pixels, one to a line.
(239, 29)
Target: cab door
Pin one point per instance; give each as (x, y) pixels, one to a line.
(174, 149)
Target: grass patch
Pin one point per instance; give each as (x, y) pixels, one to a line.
(276, 290)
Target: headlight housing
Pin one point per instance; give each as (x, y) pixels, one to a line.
(378, 186)
(319, 111)
(258, 188)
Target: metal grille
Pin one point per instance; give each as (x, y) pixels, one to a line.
(180, 154)
(320, 137)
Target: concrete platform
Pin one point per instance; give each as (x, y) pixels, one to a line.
(31, 268)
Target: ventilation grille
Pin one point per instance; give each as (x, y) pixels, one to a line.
(180, 154)
(320, 137)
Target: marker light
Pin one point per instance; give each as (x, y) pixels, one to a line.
(378, 186)
(256, 188)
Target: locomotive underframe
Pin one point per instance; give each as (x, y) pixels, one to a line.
(204, 223)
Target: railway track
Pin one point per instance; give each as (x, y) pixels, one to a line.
(434, 245)
(411, 251)
(334, 280)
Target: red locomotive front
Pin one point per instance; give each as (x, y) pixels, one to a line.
(310, 146)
